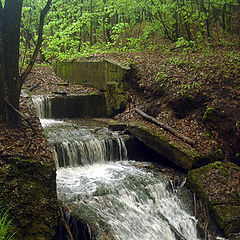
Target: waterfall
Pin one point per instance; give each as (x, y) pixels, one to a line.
(43, 105)
(110, 196)
(74, 146)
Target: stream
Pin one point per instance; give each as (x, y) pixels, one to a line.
(125, 199)
(118, 198)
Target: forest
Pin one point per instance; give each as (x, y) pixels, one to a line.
(184, 61)
(74, 28)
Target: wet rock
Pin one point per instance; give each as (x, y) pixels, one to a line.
(218, 186)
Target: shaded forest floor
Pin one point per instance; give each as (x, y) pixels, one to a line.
(196, 93)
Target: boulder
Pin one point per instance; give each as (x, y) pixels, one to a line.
(28, 191)
(218, 186)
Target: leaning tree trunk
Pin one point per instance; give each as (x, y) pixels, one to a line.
(10, 80)
(10, 36)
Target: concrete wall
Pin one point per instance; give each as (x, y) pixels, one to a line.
(77, 106)
(107, 76)
(92, 74)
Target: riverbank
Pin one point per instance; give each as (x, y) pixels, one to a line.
(28, 178)
(197, 94)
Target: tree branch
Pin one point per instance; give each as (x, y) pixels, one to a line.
(39, 41)
(21, 115)
(34, 42)
(168, 128)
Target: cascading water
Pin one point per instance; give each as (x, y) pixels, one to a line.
(127, 202)
(43, 106)
(74, 146)
(119, 199)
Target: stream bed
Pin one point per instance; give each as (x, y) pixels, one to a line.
(118, 198)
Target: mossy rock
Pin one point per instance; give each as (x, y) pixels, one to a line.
(214, 118)
(28, 190)
(204, 159)
(184, 158)
(217, 185)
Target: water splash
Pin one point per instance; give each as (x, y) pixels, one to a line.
(43, 106)
(134, 203)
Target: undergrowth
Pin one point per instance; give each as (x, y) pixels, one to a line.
(6, 230)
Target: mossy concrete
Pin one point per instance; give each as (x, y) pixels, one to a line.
(115, 99)
(218, 186)
(184, 158)
(77, 106)
(106, 76)
(92, 74)
(28, 191)
(117, 126)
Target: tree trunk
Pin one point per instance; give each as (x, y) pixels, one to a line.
(2, 75)
(10, 81)
(91, 23)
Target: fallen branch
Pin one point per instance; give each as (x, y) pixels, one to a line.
(168, 128)
(21, 115)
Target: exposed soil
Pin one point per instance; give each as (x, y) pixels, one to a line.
(176, 87)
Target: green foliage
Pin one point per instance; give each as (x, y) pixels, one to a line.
(208, 114)
(6, 231)
(73, 28)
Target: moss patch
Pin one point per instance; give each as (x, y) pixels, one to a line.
(218, 186)
(184, 158)
(28, 190)
(209, 114)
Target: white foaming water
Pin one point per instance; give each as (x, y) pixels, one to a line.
(74, 146)
(43, 105)
(134, 203)
(48, 122)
